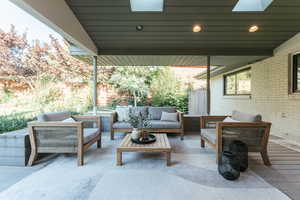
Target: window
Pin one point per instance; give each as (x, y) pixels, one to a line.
(296, 73)
(238, 83)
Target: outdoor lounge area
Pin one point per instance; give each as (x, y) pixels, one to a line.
(150, 99)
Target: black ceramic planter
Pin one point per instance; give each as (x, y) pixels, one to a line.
(240, 149)
(229, 166)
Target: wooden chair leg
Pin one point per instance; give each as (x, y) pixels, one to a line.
(80, 158)
(112, 134)
(99, 145)
(265, 158)
(182, 135)
(32, 158)
(202, 143)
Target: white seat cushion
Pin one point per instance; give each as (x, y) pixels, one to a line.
(89, 134)
(210, 134)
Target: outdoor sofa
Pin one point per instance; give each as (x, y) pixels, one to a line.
(153, 114)
(220, 131)
(59, 132)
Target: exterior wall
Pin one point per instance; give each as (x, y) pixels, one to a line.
(269, 93)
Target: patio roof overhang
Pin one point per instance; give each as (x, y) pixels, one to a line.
(114, 35)
(108, 28)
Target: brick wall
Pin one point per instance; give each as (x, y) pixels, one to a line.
(269, 93)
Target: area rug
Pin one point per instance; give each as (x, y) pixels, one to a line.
(192, 176)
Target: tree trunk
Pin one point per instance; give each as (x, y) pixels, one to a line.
(135, 99)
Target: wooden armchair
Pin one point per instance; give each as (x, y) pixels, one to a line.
(64, 137)
(220, 134)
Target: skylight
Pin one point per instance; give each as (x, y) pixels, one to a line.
(251, 5)
(147, 5)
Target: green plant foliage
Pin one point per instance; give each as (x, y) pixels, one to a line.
(167, 91)
(137, 120)
(15, 121)
(179, 101)
(135, 80)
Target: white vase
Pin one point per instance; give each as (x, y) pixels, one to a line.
(136, 134)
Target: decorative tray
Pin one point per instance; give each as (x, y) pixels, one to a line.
(145, 140)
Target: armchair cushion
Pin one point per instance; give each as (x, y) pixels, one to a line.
(54, 116)
(89, 134)
(245, 117)
(156, 112)
(210, 134)
(165, 124)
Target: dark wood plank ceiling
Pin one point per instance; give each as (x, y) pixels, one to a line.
(111, 25)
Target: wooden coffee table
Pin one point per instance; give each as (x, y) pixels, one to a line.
(161, 145)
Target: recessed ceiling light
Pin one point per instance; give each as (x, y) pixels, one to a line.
(197, 28)
(139, 27)
(253, 28)
(147, 5)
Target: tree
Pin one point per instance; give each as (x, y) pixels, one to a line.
(134, 79)
(31, 63)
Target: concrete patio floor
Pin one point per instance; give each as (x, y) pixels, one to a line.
(284, 173)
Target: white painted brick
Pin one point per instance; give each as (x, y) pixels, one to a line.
(269, 93)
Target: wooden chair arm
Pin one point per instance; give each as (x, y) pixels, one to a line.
(89, 118)
(55, 124)
(113, 116)
(244, 124)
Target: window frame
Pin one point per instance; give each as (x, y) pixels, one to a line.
(294, 73)
(236, 84)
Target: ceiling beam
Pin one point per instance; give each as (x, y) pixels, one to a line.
(57, 15)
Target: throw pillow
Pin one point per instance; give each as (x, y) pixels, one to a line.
(123, 113)
(166, 116)
(229, 119)
(69, 120)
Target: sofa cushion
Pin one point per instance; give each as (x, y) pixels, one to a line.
(155, 112)
(89, 134)
(54, 116)
(122, 125)
(123, 113)
(172, 117)
(140, 109)
(164, 124)
(245, 117)
(209, 134)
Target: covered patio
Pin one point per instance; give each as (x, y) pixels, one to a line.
(228, 38)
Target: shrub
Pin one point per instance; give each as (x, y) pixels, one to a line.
(178, 101)
(167, 91)
(15, 121)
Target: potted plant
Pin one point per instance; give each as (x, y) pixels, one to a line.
(138, 122)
